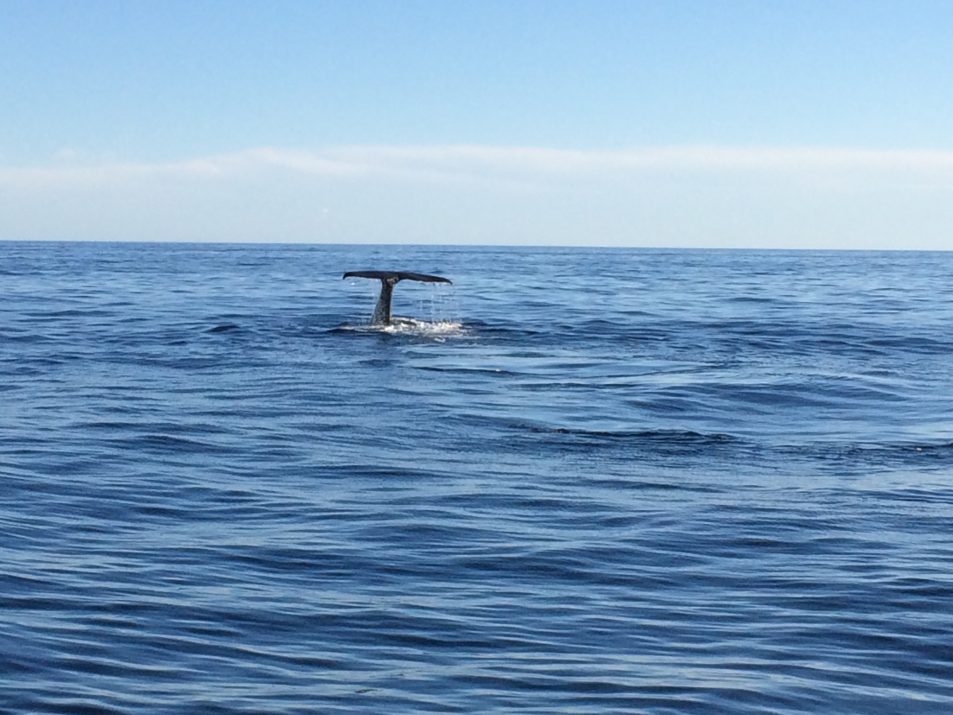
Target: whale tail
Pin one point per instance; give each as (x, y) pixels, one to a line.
(388, 279)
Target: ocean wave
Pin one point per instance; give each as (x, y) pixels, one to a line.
(637, 481)
(659, 436)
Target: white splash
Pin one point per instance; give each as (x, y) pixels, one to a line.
(436, 329)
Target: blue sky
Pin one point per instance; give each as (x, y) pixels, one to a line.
(777, 123)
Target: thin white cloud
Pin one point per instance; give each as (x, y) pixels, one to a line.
(98, 174)
(687, 196)
(489, 163)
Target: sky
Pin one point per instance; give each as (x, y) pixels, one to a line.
(663, 123)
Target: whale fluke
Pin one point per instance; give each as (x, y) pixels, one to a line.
(388, 280)
(397, 276)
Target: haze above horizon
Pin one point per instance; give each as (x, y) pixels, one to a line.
(681, 124)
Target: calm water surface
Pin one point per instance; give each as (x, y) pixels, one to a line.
(590, 481)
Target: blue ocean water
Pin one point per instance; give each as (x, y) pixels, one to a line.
(589, 480)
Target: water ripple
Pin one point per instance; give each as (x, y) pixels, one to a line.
(707, 482)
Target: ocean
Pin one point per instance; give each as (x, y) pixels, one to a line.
(584, 481)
